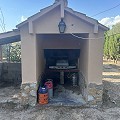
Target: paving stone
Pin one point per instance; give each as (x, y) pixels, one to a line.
(96, 91)
(29, 94)
(33, 93)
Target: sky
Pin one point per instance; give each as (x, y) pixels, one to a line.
(16, 11)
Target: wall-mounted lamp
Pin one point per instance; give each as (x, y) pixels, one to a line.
(62, 26)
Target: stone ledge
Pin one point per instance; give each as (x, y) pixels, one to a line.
(96, 92)
(29, 94)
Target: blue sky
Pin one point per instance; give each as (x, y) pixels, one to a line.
(16, 10)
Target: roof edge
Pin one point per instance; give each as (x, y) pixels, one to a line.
(42, 12)
(103, 27)
(84, 16)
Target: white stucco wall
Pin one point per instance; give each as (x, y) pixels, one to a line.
(77, 25)
(47, 26)
(95, 58)
(28, 53)
(49, 23)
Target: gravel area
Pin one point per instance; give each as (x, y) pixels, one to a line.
(61, 113)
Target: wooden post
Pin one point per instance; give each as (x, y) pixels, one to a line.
(62, 77)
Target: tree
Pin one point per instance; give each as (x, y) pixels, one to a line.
(106, 46)
(15, 52)
(12, 52)
(112, 43)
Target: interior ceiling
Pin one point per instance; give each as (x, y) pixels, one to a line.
(10, 40)
(62, 36)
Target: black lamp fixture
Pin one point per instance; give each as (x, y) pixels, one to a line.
(62, 26)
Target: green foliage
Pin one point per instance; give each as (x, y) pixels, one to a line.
(112, 43)
(4, 52)
(12, 52)
(15, 52)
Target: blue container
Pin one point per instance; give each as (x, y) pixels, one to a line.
(42, 90)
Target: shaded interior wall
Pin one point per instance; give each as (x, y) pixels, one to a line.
(40, 59)
(54, 41)
(83, 60)
(10, 73)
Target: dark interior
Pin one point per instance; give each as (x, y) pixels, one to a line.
(52, 56)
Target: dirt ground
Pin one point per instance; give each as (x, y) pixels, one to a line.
(111, 73)
(61, 113)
